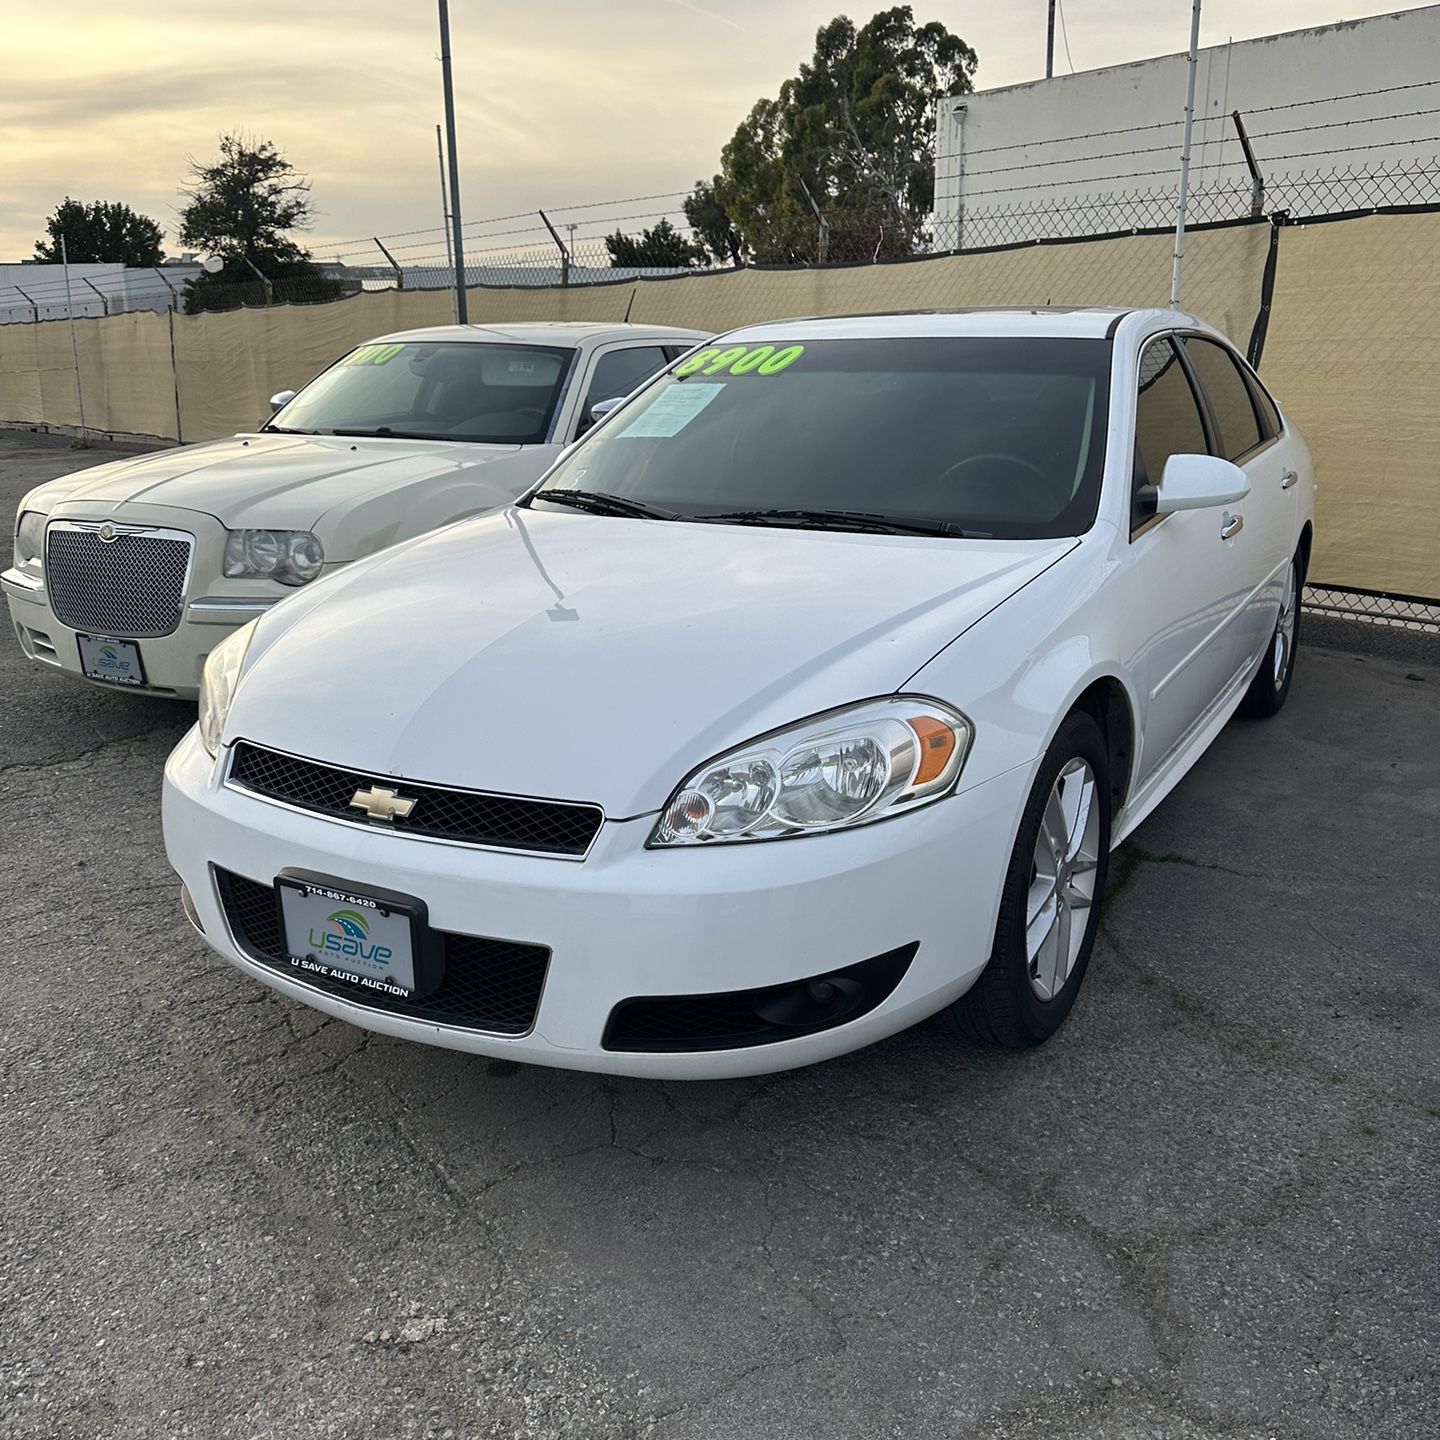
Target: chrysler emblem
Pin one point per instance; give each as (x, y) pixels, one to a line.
(107, 532)
(382, 804)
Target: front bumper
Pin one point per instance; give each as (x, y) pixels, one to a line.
(629, 922)
(173, 663)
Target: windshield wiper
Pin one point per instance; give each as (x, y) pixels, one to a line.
(285, 430)
(837, 520)
(384, 432)
(600, 503)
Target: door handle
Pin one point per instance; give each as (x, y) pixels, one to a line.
(1231, 525)
(1287, 479)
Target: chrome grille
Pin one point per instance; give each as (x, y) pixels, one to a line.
(131, 585)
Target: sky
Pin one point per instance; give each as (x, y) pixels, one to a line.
(561, 103)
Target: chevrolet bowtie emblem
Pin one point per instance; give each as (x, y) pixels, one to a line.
(382, 804)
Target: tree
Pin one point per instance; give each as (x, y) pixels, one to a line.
(104, 232)
(241, 207)
(717, 236)
(661, 248)
(851, 135)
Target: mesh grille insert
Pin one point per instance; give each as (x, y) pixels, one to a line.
(133, 585)
(490, 985)
(548, 827)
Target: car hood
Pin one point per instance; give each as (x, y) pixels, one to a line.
(586, 658)
(282, 482)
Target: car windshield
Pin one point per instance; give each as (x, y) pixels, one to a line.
(973, 436)
(434, 390)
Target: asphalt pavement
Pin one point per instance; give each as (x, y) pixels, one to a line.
(1205, 1211)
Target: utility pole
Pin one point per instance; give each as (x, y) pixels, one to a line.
(444, 208)
(1193, 65)
(1050, 44)
(462, 316)
(74, 346)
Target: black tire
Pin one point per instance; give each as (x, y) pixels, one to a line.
(1267, 693)
(1002, 1007)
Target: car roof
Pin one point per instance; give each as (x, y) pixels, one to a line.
(547, 332)
(1094, 322)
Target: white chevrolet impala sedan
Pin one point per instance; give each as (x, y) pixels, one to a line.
(129, 574)
(803, 699)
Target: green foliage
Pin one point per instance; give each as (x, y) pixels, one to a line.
(718, 238)
(855, 128)
(104, 232)
(241, 207)
(662, 247)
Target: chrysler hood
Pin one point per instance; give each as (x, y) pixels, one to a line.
(283, 482)
(585, 658)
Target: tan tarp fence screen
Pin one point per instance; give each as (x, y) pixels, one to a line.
(1352, 350)
(1353, 355)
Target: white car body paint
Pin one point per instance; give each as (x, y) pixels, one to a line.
(358, 495)
(559, 656)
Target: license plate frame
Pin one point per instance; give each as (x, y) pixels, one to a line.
(369, 924)
(111, 662)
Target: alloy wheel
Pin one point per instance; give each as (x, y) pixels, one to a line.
(1284, 643)
(1062, 879)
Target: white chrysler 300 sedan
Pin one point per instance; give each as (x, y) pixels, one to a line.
(805, 698)
(131, 573)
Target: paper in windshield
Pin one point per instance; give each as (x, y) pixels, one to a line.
(670, 412)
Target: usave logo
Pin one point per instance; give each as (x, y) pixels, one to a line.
(110, 659)
(350, 936)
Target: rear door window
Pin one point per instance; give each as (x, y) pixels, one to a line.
(1229, 397)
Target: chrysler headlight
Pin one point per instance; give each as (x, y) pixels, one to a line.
(293, 557)
(849, 767)
(29, 537)
(217, 688)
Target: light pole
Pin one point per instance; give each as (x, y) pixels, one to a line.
(1191, 65)
(461, 313)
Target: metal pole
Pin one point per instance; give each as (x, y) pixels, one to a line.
(1193, 64)
(462, 316)
(74, 344)
(104, 300)
(444, 209)
(560, 246)
(1257, 180)
(1050, 44)
(29, 300)
(399, 273)
(260, 275)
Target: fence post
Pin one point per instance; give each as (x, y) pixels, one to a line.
(269, 289)
(1257, 180)
(559, 245)
(822, 233)
(29, 300)
(174, 304)
(104, 300)
(74, 344)
(399, 273)
(174, 374)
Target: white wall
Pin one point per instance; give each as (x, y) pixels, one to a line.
(1041, 143)
(94, 290)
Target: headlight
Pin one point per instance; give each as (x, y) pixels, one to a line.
(217, 688)
(863, 763)
(293, 557)
(29, 537)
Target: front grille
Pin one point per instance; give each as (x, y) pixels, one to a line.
(133, 585)
(490, 985)
(506, 822)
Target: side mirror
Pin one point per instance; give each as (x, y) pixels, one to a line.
(280, 399)
(599, 411)
(1200, 482)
